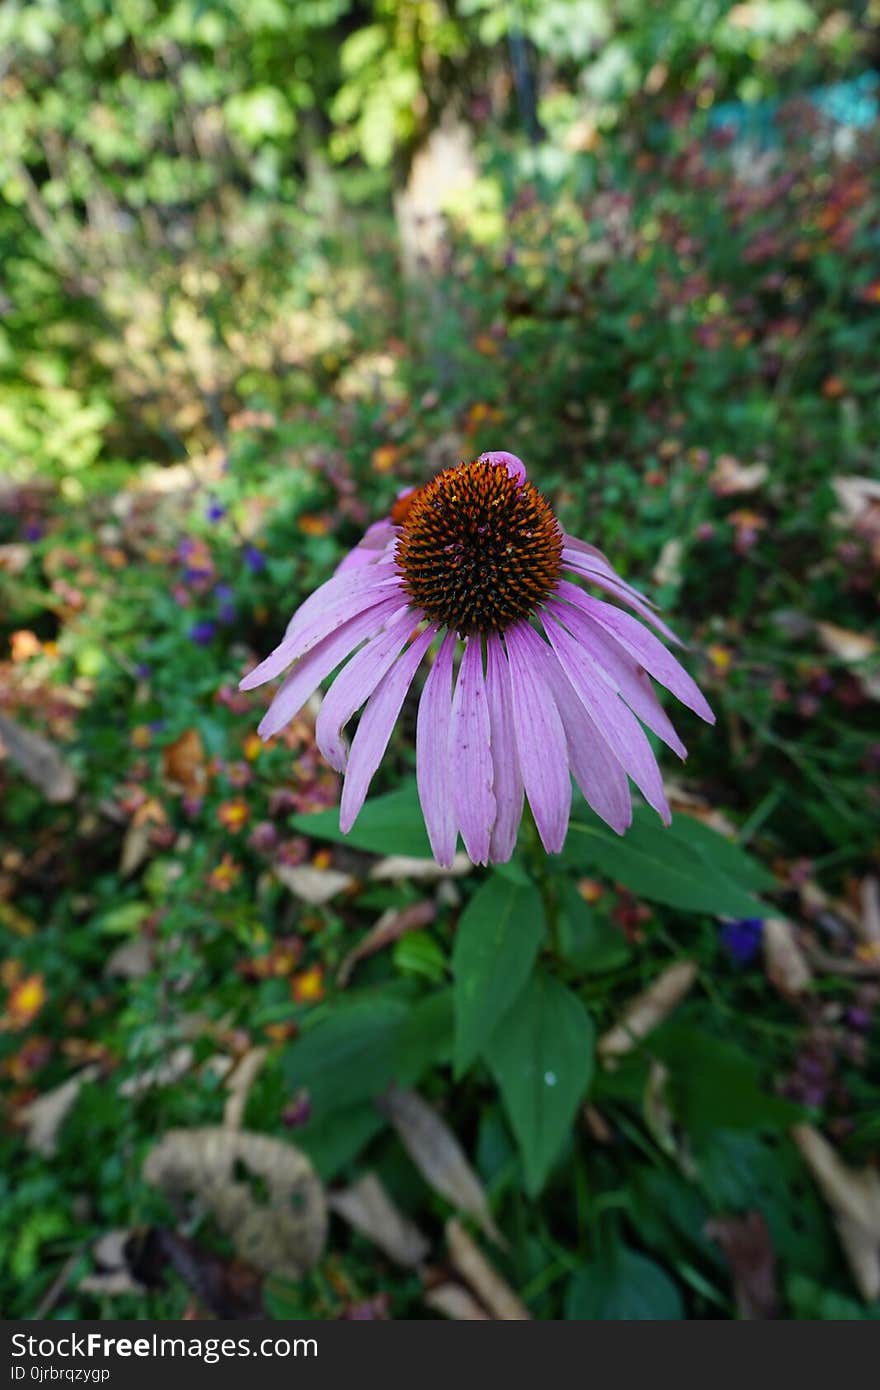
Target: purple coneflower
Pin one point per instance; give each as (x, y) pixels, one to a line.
(475, 558)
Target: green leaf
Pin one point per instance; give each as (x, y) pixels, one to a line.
(714, 1084)
(335, 1140)
(586, 941)
(389, 824)
(697, 871)
(425, 1037)
(497, 941)
(350, 1055)
(541, 1056)
(622, 1286)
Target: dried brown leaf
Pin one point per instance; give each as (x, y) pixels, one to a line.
(131, 960)
(854, 649)
(470, 1262)
(228, 1170)
(38, 760)
(854, 1198)
(784, 961)
(367, 1207)
(730, 478)
(43, 1117)
(745, 1240)
(454, 1301)
(239, 1082)
(183, 764)
(311, 885)
(438, 1156)
(398, 866)
(390, 927)
(647, 1010)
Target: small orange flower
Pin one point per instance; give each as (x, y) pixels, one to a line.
(833, 387)
(24, 1002)
(225, 875)
(486, 345)
(720, 657)
(323, 859)
(590, 890)
(385, 457)
(314, 525)
(252, 747)
(24, 645)
(308, 986)
(233, 815)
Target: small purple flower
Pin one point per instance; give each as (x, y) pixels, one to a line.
(33, 531)
(143, 671)
(742, 939)
(215, 511)
(202, 633)
(254, 559)
(225, 597)
(298, 1112)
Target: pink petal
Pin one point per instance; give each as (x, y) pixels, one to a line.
(619, 589)
(596, 770)
(516, 469)
(433, 767)
(308, 672)
(471, 755)
(644, 647)
(620, 729)
(355, 684)
(370, 548)
(621, 673)
(507, 779)
(374, 730)
(342, 597)
(540, 737)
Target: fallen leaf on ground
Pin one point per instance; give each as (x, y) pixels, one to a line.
(647, 1010)
(367, 1207)
(132, 960)
(311, 885)
(43, 1117)
(183, 764)
(730, 478)
(473, 1266)
(389, 928)
(454, 1301)
(261, 1191)
(746, 1242)
(38, 760)
(438, 1156)
(238, 1083)
(784, 961)
(398, 866)
(854, 1198)
(163, 1073)
(854, 649)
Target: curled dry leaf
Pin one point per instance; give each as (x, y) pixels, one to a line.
(746, 1242)
(689, 803)
(238, 1083)
(454, 1301)
(869, 923)
(390, 927)
(131, 960)
(38, 760)
(229, 1171)
(164, 1073)
(438, 1156)
(854, 1198)
(853, 649)
(367, 1207)
(473, 1266)
(183, 764)
(43, 1117)
(398, 866)
(668, 567)
(784, 961)
(730, 478)
(647, 1010)
(311, 885)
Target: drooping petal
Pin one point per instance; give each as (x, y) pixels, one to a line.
(644, 647)
(516, 469)
(310, 670)
(355, 684)
(433, 761)
(596, 770)
(370, 548)
(620, 729)
(374, 730)
(471, 756)
(621, 672)
(618, 588)
(506, 779)
(342, 597)
(540, 737)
